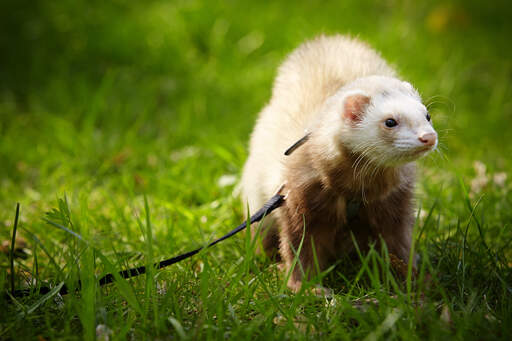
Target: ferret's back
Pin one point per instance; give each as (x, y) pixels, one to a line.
(316, 69)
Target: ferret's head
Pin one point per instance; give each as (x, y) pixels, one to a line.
(383, 119)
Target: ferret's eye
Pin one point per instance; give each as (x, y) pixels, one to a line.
(428, 117)
(390, 123)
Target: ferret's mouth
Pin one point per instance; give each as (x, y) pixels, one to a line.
(424, 149)
(418, 152)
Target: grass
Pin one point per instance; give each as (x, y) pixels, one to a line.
(118, 120)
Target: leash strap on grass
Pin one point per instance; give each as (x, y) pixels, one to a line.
(273, 203)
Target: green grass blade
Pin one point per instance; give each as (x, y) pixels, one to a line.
(42, 300)
(122, 285)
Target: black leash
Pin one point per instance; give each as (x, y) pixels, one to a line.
(273, 203)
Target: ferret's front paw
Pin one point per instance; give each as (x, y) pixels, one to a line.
(318, 290)
(321, 291)
(401, 267)
(294, 285)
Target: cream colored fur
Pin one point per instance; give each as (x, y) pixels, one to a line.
(311, 74)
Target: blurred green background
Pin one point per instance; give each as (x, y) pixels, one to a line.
(185, 72)
(102, 102)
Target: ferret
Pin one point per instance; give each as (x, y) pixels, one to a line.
(351, 130)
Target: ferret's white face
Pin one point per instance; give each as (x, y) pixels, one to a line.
(387, 122)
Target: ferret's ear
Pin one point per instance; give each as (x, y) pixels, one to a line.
(354, 106)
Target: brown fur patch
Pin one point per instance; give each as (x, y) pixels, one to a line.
(315, 210)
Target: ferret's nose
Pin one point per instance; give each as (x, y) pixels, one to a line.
(428, 139)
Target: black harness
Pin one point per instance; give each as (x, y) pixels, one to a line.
(353, 207)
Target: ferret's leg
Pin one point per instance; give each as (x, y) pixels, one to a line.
(308, 261)
(269, 234)
(393, 221)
